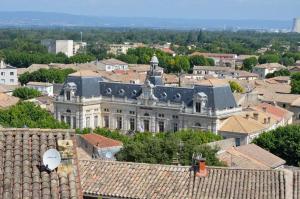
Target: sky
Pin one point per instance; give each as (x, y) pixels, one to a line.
(195, 9)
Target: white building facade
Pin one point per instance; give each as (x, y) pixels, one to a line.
(151, 107)
(8, 74)
(44, 87)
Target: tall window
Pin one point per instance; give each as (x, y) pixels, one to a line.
(119, 122)
(87, 122)
(96, 121)
(175, 127)
(132, 124)
(106, 121)
(68, 118)
(74, 122)
(68, 94)
(146, 126)
(161, 126)
(198, 107)
(62, 118)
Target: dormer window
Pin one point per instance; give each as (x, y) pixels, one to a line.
(177, 97)
(108, 91)
(164, 95)
(200, 102)
(68, 95)
(121, 92)
(134, 92)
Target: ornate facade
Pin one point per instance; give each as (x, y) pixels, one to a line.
(87, 100)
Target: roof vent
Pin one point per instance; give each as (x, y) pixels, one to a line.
(134, 92)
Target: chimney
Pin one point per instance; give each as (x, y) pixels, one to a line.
(255, 115)
(269, 120)
(247, 116)
(2, 65)
(202, 169)
(264, 109)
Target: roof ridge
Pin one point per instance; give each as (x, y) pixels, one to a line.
(175, 166)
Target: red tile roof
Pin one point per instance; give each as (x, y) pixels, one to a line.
(278, 112)
(101, 141)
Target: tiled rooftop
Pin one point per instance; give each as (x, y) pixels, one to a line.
(136, 180)
(101, 141)
(21, 173)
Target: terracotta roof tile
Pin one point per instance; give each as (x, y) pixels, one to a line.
(101, 141)
(21, 174)
(136, 180)
(7, 100)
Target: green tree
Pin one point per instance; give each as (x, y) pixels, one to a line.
(295, 83)
(30, 115)
(269, 58)
(25, 93)
(235, 87)
(163, 148)
(282, 72)
(181, 63)
(199, 60)
(283, 142)
(249, 63)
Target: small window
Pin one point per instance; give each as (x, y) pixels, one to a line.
(2, 73)
(283, 105)
(11, 73)
(119, 111)
(175, 116)
(238, 141)
(68, 111)
(11, 80)
(146, 114)
(161, 115)
(175, 127)
(134, 92)
(198, 124)
(132, 112)
(106, 110)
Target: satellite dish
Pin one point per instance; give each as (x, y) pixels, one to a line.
(51, 159)
(109, 155)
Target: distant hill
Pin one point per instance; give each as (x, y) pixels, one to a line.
(47, 19)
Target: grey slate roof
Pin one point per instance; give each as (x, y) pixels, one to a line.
(219, 97)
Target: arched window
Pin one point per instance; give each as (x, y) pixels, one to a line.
(147, 114)
(198, 124)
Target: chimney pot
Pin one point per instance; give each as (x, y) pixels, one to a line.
(264, 109)
(202, 169)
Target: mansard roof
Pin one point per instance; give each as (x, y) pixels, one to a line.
(219, 97)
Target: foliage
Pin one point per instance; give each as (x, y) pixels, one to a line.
(269, 58)
(249, 63)
(199, 60)
(282, 72)
(283, 142)
(30, 115)
(81, 58)
(295, 83)
(46, 75)
(25, 93)
(235, 87)
(163, 148)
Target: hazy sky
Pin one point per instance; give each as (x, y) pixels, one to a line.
(199, 9)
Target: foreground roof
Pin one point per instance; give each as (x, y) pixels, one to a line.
(101, 141)
(22, 174)
(136, 180)
(250, 156)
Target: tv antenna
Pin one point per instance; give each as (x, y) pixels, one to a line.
(51, 159)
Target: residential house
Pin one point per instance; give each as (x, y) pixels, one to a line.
(118, 49)
(68, 47)
(223, 60)
(263, 69)
(45, 88)
(250, 156)
(8, 74)
(111, 65)
(98, 146)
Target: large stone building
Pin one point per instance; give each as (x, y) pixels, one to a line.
(87, 100)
